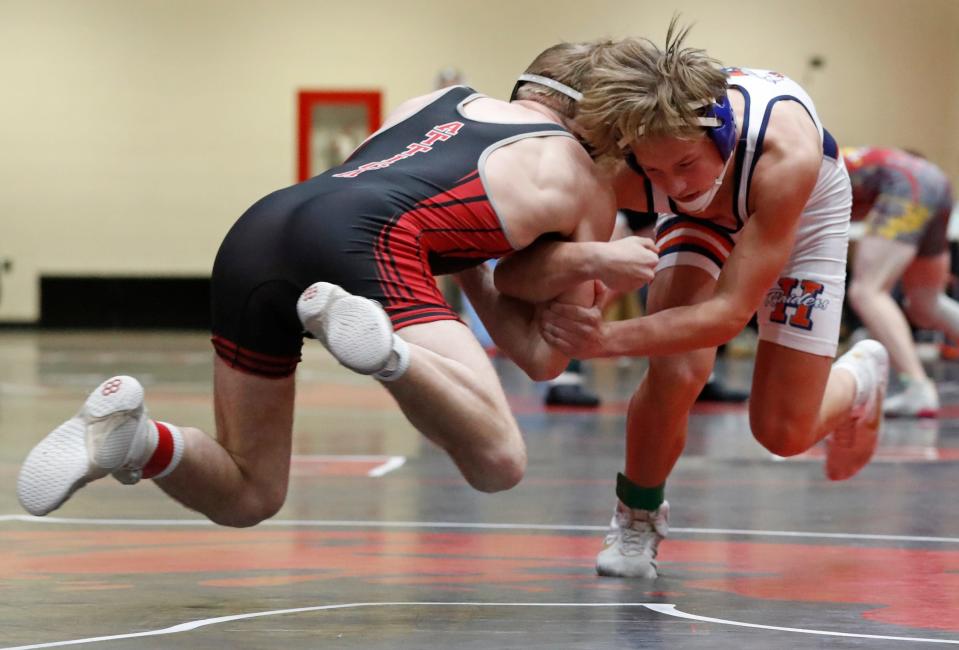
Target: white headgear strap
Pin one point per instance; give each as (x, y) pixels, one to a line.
(573, 94)
(701, 121)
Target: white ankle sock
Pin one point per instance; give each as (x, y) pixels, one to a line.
(857, 374)
(398, 363)
(166, 452)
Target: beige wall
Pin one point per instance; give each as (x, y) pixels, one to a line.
(133, 132)
(949, 131)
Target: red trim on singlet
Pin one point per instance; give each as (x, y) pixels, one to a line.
(431, 319)
(404, 317)
(700, 243)
(469, 189)
(256, 363)
(390, 277)
(694, 237)
(428, 318)
(458, 222)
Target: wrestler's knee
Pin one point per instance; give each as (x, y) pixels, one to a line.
(494, 467)
(859, 294)
(920, 308)
(683, 375)
(782, 434)
(251, 506)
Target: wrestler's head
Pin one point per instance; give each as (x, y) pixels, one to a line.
(667, 108)
(556, 77)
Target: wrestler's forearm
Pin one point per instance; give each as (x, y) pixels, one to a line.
(545, 270)
(674, 331)
(513, 326)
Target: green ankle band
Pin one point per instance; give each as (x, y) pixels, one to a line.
(639, 498)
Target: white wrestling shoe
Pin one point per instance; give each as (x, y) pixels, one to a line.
(850, 447)
(111, 433)
(919, 400)
(632, 543)
(355, 330)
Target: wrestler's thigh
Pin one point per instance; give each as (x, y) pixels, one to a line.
(927, 272)
(788, 386)
(451, 340)
(676, 286)
(254, 421)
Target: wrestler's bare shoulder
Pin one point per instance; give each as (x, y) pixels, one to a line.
(546, 184)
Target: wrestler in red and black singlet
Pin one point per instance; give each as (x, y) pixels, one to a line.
(407, 205)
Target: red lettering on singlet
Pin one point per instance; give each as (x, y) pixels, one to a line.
(450, 128)
(416, 147)
(439, 133)
(433, 136)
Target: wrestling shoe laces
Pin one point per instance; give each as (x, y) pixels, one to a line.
(632, 543)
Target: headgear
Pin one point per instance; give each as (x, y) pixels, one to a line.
(572, 93)
(559, 87)
(720, 123)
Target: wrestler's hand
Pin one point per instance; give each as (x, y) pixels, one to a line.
(576, 331)
(628, 264)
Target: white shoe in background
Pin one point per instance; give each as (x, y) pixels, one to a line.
(920, 399)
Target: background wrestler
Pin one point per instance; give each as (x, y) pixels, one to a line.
(905, 202)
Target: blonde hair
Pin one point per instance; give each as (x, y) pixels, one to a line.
(639, 90)
(570, 64)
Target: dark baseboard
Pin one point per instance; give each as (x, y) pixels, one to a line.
(100, 302)
(10, 325)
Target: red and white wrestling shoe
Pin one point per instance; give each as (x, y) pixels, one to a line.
(111, 434)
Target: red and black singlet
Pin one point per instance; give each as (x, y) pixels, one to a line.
(408, 204)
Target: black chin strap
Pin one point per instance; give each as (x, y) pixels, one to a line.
(633, 164)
